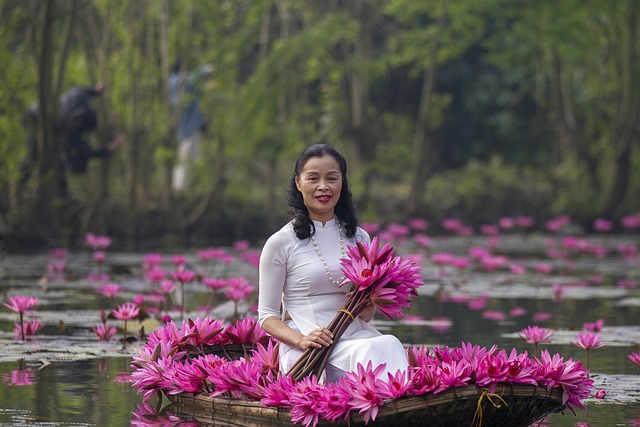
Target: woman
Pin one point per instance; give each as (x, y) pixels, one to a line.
(300, 272)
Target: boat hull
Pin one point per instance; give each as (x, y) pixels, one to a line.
(512, 405)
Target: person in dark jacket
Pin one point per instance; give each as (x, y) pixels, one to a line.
(76, 118)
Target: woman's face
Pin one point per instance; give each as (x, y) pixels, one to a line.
(320, 183)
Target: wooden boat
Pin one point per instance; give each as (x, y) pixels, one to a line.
(512, 405)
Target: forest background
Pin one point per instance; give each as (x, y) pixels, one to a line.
(472, 109)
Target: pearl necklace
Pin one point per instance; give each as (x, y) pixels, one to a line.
(322, 260)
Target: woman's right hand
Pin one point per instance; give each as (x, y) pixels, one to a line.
(318, 338)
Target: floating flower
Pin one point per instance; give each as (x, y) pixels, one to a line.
(594, 326)
(97, 242)
(542, 316)
(22, 305)
(600, 394)
(588, 340)
(104, 332)
(151, 261)
(517, 269)
(126, 312)
(536, 335)
(635, 358)
(491, 263)
(215, 284)
(110, 290)
(543, 268)
(156, 274)
(179, 260)
(241, 245)
(28, 328)
(442, 258)
(525, 221)
(99, 256)
(418, 223)
(627, 283)
(167, 286)
(494, 315)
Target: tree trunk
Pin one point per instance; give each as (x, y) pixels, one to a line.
(168, 141)
(49, 171)
(561, 96)
(132, 148)
(421, 139)
(627, 122)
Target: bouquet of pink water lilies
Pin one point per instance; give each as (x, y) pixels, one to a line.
(379, 278)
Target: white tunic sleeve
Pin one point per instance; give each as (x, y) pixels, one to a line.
(272, 275)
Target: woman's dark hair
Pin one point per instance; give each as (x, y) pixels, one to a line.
(344, 210)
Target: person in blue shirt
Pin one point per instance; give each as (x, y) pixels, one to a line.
(185, 92)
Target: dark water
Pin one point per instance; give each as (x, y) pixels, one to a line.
(73, 380)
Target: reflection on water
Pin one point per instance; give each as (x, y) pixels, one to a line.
(85, 384)
(81, 393)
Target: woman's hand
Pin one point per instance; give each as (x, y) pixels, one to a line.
(321, 337)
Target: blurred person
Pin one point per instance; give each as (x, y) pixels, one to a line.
(76, 118)
(185, 91)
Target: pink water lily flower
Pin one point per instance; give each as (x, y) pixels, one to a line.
(126, 311)
(278, 393)
(199, 333)
(238, 289)
(569, 375)
(332, 401)
(453, 374)
(594, 326)
(600, 394)
(215, 283)
(536, 335)
(97, 242)
(366, 264)
(246, 330)
(179, 260)
(156, 274)
(104, 332)
(635, 358)
(588, 340)
(364, 390)
(168, 286)
(183, 276)
(110, 290)
(28, 328)
(148, 378)
(267, 357)
(397, 385)
(304, 408)
(21, 304)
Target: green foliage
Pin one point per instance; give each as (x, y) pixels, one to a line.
(288, 74)
(481, 192)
